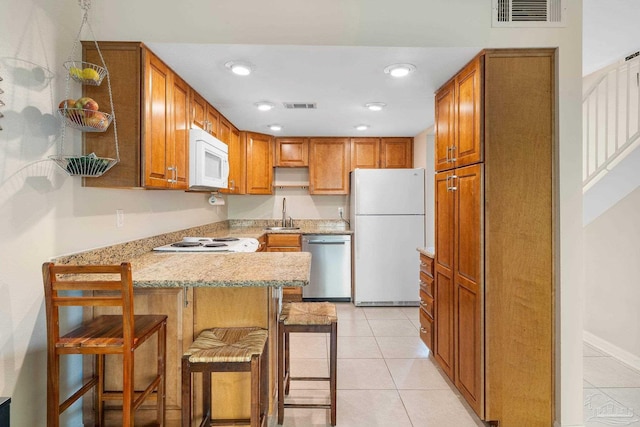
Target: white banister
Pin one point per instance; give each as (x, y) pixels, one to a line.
(611, 119)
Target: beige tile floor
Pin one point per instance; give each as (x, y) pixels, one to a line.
(386, 376)
(611, 390)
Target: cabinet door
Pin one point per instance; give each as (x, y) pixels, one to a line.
(157, 137)
(237, 163)
(468, 141)
(396, 153)
(228, 134)
(445, 126)
(286, 243)
(292, 152)
(443, 285)
(329, 166)
(180, 132)
(365, 153)
(259, 163)
(213, 119)
(198, 110)
(468, 298)
(224, 130)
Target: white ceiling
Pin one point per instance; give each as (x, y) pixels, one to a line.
(610, 31)
(340, 80)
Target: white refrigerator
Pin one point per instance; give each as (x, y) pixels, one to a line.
(387, 217)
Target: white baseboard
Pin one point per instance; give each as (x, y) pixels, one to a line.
(620, 354)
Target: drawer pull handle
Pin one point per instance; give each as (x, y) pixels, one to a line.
(422, 303)
(423, 264)
(423, 330)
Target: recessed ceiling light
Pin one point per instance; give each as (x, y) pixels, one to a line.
(275, 128)
(375, 106)
(264, 105)
(239, 68)
(362, 127)
(400, 70)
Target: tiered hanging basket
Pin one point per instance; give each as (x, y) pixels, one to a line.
(85, 117)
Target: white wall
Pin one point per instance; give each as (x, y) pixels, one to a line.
(612, 318)
(41, 31)
(43, 212)
(300, 205)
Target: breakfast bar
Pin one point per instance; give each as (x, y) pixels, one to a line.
(199, 291)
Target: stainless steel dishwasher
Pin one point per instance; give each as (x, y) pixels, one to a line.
(330, 267)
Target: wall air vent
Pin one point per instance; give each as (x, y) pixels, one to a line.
(528, 13)
(300, 105)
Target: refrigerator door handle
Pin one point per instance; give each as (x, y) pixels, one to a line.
(322, 242)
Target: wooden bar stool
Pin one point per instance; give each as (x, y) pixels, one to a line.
(227, 350)
(101, 335)
(315, 317)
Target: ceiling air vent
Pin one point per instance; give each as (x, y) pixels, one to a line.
(300, 105)
(528, 13)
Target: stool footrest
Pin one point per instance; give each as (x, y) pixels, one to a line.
(308, 405)
(231, 422)
(309, 378)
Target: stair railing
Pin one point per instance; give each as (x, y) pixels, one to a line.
(611, 119)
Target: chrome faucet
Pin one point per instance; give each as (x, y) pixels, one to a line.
(284, 211)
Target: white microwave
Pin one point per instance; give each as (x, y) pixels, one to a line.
(208, 161)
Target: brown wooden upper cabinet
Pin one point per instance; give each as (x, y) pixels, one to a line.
(204, 115)
(374, 153)
(152, 109)
(259, 163)
(396, 153)
(329, 165)
(292, 152)
(365, 153)
(458, 118)
(230, 135)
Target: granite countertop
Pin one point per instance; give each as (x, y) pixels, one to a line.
(171, 269)
(429, 251)
(175, 269)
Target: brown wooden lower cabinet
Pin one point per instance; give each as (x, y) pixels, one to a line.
(189, 311)
(426, 300)
(286, 243)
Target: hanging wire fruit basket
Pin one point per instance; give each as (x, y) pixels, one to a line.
(85, 120)
(86, 72)
(85, 114)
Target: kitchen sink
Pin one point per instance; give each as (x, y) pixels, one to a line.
(281, 228)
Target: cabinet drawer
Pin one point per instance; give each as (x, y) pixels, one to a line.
(426, 284)
(426, 303)
(426, 265)
(283, 240)
(426, 329)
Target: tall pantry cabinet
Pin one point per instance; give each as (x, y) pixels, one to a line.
(494, 283)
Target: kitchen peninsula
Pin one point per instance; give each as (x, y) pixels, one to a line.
(199, 291)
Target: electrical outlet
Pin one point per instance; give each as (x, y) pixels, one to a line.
(119, 218)
(340, 211)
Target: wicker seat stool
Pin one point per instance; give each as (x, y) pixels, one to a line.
(314, 317)
(227, 350)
